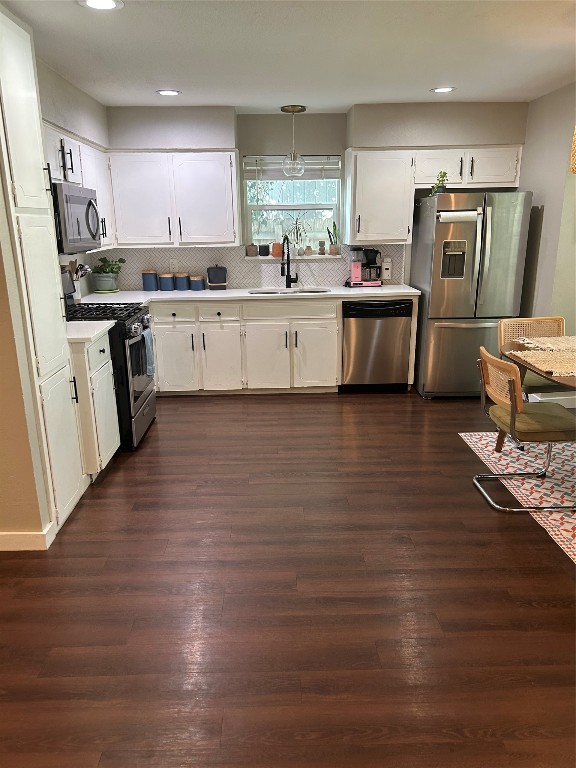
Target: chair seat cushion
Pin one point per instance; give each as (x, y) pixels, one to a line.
(538, 422)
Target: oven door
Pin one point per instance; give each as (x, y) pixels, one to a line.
(140, 366)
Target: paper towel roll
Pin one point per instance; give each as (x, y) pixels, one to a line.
(448, 217)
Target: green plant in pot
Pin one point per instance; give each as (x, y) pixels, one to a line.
(105, 274)
(439, 184)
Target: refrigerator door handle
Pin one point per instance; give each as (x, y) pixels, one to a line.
(487, 249)
(466, 325)
(477, 256)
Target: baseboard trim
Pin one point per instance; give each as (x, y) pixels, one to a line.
(17, 541)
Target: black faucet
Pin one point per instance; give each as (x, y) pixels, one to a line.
(285, 265)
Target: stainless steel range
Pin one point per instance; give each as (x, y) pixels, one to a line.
(132, 361)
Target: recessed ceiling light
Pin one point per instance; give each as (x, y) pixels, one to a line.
(443, 89)
(168, 92)
(101, 5)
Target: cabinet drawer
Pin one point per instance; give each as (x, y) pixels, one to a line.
(98, 353)
(272, 310)
(166, 313)
(223, 311)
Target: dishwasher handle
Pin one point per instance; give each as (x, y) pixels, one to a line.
(376, 309)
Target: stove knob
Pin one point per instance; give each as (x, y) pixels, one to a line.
(146, 320)
(135, 329)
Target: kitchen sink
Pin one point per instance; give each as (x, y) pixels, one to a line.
(286, 291)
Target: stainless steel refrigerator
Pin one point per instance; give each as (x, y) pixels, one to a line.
(468, 258)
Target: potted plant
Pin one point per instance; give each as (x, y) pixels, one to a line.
(439, 184)
(105, 274)
(297, 232)
(333, 237)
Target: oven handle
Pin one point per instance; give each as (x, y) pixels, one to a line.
(134, 339)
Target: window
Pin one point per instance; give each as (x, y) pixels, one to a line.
(303, 207)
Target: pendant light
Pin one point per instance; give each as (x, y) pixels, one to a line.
(293, 164)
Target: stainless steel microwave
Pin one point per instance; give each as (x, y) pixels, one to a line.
(77, 218)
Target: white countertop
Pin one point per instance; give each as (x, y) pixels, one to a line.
(336, 292)
(86, 331)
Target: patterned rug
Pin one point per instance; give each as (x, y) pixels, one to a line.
(558, 488)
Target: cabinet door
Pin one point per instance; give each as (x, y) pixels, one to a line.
(176, 357)
(221, 355)
(141, 186)
(315, 353)
(383, 197)
(62, 437)
(44, 288)
(498, 166)
(53, 153)
(21, 116)
(105, 413)
(96, 175)
(204, 188)
(428, 163)
(267, 360)
(71, 160)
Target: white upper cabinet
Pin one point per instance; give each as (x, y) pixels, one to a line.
(379, 197)
(62, 156)
(44, 291)
(204, 184)
(429, 162)
(469, 168)
(21, 116)
(96, 175)
(499, 166)
(142, 189)
(175, 199)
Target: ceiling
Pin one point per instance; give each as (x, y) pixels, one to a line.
(259, 54)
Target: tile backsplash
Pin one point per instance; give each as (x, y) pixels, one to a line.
(242, 272)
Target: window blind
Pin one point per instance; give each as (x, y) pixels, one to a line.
(269, 168)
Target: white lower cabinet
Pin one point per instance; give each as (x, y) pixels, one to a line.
(209, 346)
(221, 353)
(68, 480)
(176, 348)
(315, 353)
(267, 355)
(99, 432)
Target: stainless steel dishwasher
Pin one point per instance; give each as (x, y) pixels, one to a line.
(376, 347)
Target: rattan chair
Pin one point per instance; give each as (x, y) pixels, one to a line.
(530, 327)
(523, 422)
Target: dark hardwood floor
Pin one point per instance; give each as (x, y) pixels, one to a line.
(291, 582)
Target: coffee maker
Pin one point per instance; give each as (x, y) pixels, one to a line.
(365, 269)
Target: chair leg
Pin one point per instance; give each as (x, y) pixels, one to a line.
(540, 474)
(500, 440)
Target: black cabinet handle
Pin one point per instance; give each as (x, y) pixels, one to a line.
(169, 228)
(73, 382)
(461, 166)
(49, 177)
(296, 339)
(103, 229)
(203, 342)
(358, 224)
(173, 314)
(71, 161)
(472, 168)
(192, 337)
(102, 351)
(286, 339)
(219, 314)
(180, 226)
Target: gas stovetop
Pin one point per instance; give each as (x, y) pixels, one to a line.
(118, 312)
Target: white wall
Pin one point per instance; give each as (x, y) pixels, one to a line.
(429, 125)
(563, 298)
(545, 163)
(172, 127)
(68, 107)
